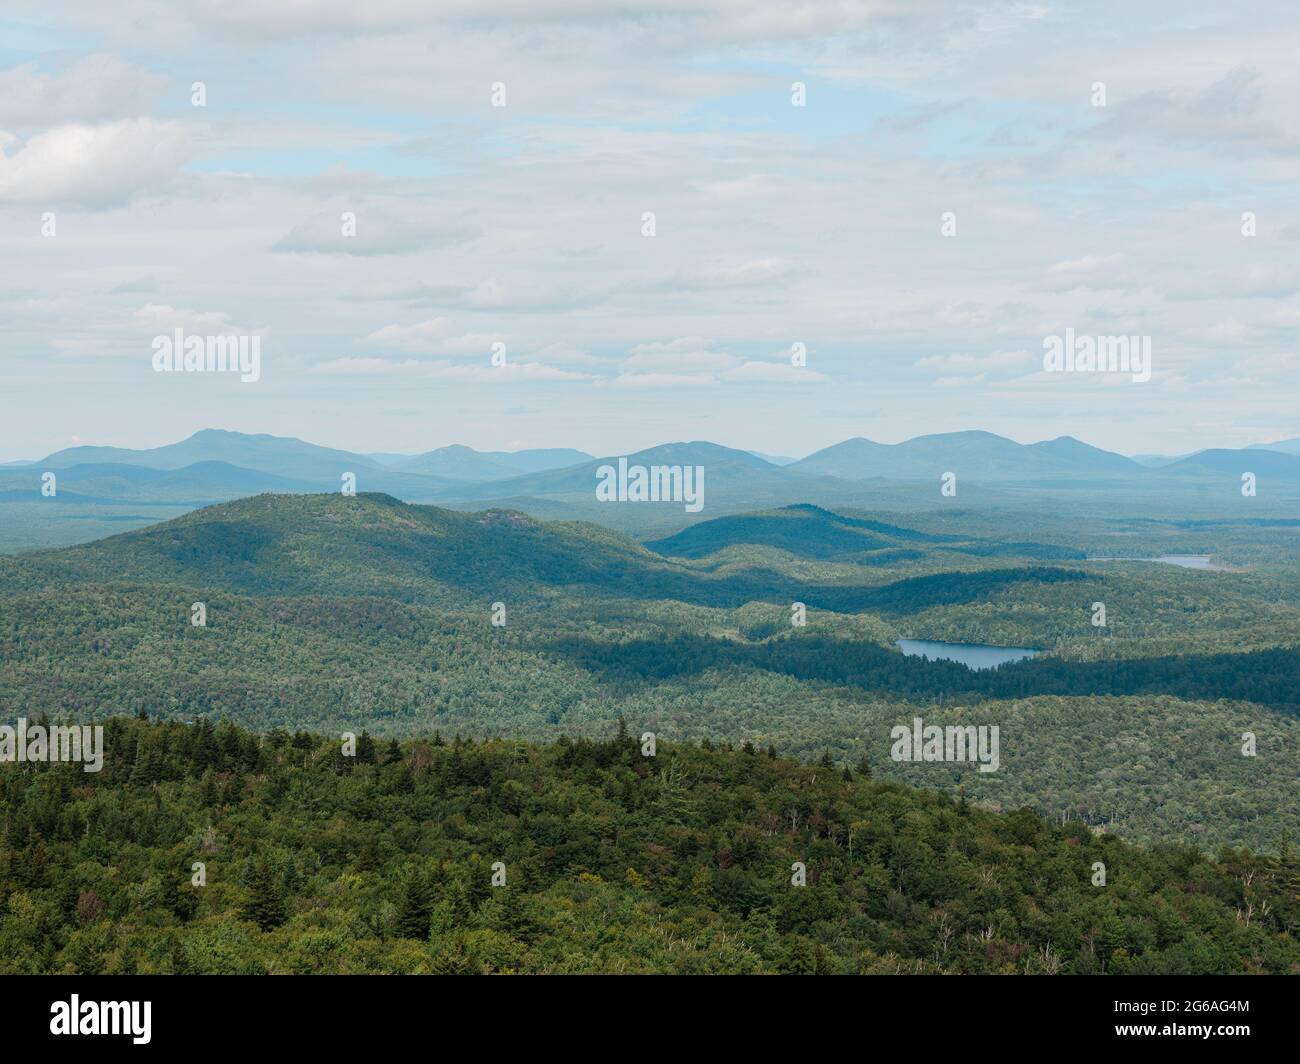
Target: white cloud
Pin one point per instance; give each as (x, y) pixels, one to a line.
(508, 373)
(360, 367)
(775, 373)
(377, 232)
(977, 364)
(685, 353)
(92, 88)
(663, 380)
(427, 335)
(92, 165)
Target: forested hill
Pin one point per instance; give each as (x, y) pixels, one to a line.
(612, 862)
(375, 545)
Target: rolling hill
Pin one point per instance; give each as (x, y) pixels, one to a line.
(809, 531)
(279, 455)
(971, 455)
(341, 613)
(804, 530)
(1221, 462)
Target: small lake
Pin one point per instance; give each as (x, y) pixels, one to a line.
(1190, 561)
(972, 655)
(1183, 561)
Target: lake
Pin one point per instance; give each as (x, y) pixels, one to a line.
(1183, 561)
(972, 655)
(1191, 561)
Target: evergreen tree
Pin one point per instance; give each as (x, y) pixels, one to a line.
(415, 906)
(265, 905)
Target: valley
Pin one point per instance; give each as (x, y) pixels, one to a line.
(339, 614)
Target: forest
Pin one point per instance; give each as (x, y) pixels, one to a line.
(332, 614)
(206, 848)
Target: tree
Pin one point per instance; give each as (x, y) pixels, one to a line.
(265, 906)
(415, 906)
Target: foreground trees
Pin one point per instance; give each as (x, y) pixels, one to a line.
(447, 856)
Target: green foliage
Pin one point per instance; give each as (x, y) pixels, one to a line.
(613, 862)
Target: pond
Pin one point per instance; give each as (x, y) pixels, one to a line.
(1183, 561)
(972, 655)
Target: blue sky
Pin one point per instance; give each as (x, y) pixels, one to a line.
(776, 225)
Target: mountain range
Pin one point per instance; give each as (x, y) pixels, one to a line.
(215, 465)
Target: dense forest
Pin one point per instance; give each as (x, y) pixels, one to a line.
(1267, 677)
(334, 614)
(211, 849)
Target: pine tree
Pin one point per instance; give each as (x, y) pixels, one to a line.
(415, 907)
(265, 906)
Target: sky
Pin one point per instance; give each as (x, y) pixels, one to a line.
(953, 185)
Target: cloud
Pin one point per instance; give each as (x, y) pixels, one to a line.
(977, 364)
(711, 21)
(373, 232)
(1227, 113)
(508, 373)
(93, 88)
(137, 285)
(432, 337)
(757, 273)
(162, 316)
(357, 367)
(422, 334)
(774, 373)
(565, 354)
(685, 353)
(663, 380)
(92, 165)
(1098, 273)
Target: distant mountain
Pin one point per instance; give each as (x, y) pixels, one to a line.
(281, 456)
(808, 531)
(774, 459)
(368, 544)
(376, 545)
(1219, 461)
(197, 484)
(725, 469)
(1084, 456)
(372, 545)
(458, 463)
(1285, 446)
(804, 530)
(560, 483)
(974, 455)
(539, 459)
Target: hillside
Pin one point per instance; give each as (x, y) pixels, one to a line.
(197, 484)
(458, 463)
(683, 862)
(998, 475)
(361, 545)
(971, 455)
(809, 531)
(279, 455)
(1224, 463)
(331, 612)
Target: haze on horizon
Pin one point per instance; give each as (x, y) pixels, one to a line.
(522, 224)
